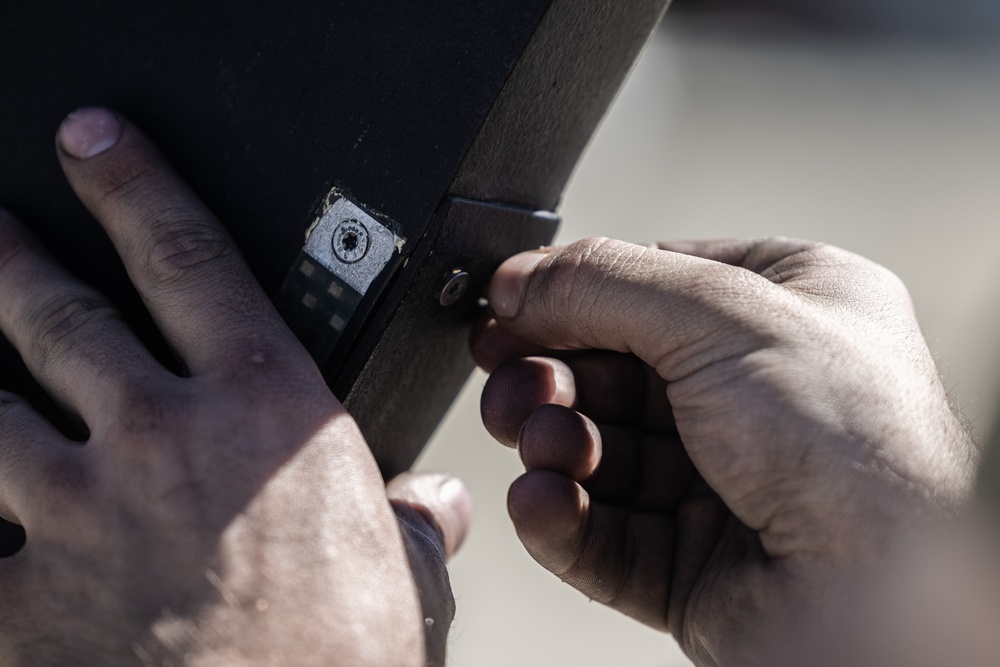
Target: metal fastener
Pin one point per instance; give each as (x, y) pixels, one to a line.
(350, 241)
(455, 284)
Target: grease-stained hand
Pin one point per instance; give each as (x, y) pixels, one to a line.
(721, 439)
(233, 516)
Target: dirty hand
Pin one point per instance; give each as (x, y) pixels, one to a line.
(720, 438)
(232, 516)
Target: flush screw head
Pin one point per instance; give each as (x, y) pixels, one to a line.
(455, 284)
(350, 241)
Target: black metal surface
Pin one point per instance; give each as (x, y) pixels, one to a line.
(267, 107)
(554, 100)
(549, 108)
(263, 106)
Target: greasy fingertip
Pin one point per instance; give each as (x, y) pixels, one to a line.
(89, 131)
(441, 501)
(507, 288)
(559, 439)
(517, 388)
(550, 513)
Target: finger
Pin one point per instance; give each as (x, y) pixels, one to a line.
(435, 513)
(619, 558)
(558, 439)
(441, 505)
(515, 390)
(608, 387)
(617, 466)
(184, 264)
(70, 337)
(611, 386)
(32, 454)
(491, 346)
(669, 309)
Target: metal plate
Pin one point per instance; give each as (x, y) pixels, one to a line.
(351, 244)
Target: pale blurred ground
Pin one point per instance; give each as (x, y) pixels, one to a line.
(888, 147)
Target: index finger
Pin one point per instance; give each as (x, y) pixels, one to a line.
(183, 263)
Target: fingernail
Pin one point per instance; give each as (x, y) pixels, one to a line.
(88, 132)
(510, 281)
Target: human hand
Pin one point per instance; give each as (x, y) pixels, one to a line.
(720, 438)
(233, 516)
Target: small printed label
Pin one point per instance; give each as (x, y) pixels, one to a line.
(351, 244)
(345, 252)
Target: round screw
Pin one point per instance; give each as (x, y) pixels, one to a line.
(350, 241)
(454, 287)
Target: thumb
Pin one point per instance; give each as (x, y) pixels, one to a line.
(440, 505)
(435, 512)
(667, 308)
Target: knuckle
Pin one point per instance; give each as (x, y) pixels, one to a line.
(830, 271)
(861, 279)
(780, 259)
(831, 256)
(826, 256)
(65, 316)
(183, 243)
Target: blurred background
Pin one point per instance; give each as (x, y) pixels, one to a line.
(869, 124)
